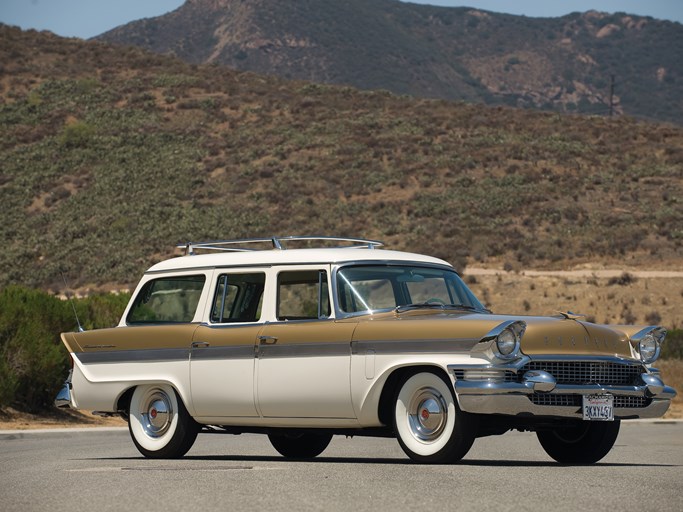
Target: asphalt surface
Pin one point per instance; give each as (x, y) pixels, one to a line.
(100, 470)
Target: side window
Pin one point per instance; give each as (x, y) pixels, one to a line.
(302, 295)
(167, 300)
(238, 298)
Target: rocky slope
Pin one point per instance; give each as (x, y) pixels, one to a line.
(564, 64)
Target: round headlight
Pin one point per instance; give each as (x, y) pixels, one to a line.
(506, 342)
(648, 348)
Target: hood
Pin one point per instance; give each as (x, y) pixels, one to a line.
(543, 335)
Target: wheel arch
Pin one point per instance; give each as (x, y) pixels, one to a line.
(123, 400)
(391, 385)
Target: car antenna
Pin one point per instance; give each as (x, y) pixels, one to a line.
(80, 327)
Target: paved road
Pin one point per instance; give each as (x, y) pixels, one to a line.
(101, 471)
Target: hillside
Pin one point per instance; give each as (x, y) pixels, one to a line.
(563, 64)
(111, 156)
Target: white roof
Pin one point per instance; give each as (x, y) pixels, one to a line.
(289, 257)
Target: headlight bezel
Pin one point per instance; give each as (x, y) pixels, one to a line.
(647, 343)
(505, 340)
(507, 343)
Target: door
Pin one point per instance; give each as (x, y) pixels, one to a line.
(304, 357)
(222, 353)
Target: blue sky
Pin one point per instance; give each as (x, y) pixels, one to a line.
(88, 18)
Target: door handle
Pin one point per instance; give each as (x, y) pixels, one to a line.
(268, 340)
(199, 344)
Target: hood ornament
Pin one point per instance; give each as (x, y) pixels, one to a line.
(571, 316)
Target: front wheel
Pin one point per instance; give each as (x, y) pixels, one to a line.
(582, 443)
(429, 425)
(159, 424)
(300, 446)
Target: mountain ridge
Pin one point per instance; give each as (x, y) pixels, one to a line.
(454, 53)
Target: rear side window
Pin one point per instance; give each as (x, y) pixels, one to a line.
(238, 298)
(302, 295)
(167, 300)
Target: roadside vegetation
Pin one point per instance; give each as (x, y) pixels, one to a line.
(33, 360)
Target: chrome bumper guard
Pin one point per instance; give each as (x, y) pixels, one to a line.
(63, 398)
(490, 395)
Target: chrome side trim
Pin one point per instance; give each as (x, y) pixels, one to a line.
(429, 346)
(232, 352)
(304, 350)
(134, 356)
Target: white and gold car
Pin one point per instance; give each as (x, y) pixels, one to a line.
(305, 343)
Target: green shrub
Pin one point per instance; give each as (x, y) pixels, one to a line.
(672, 348)
(76, 135)
(33, 360)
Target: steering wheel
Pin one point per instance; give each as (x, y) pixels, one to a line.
(435, 300)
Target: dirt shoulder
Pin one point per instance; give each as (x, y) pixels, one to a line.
(11, 419)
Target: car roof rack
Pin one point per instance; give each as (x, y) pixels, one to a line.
(277, 242)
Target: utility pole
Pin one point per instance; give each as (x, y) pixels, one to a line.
(611, 96)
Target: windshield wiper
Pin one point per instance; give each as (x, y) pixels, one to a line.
(433, 305)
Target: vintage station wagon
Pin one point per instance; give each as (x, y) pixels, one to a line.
(305, 343)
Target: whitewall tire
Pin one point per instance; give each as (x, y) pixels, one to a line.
(429, 425)
(159, 423)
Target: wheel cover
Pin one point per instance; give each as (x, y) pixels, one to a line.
(427, 414)
(156, 413)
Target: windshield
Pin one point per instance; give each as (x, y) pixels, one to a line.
(385, 287)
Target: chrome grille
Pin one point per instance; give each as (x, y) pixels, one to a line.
(556, 400)
(587, 372)
(563, 400)
(631, 401)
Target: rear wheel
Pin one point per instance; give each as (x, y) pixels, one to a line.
(159, 424)
(585, 442)
(300, 446)
(429, 425)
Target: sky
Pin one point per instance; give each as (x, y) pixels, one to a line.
(88, 18)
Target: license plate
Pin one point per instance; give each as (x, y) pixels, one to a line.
(598, 407)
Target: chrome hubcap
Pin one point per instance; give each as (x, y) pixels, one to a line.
(427, 414)
(156, 413)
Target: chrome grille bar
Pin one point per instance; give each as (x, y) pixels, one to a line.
(588, 372)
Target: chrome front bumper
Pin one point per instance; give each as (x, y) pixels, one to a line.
(536, 393)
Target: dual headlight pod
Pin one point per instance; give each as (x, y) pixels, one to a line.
(648, 343)
(506, 339)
